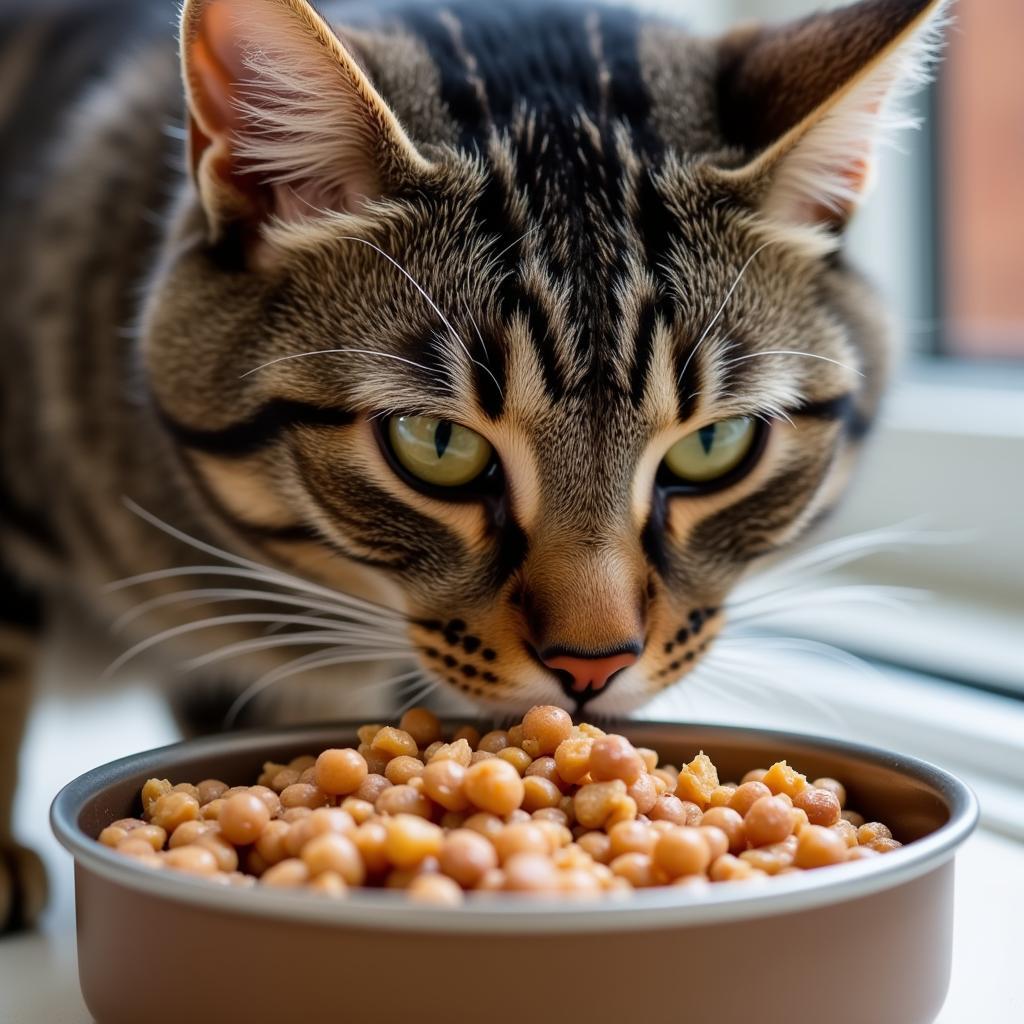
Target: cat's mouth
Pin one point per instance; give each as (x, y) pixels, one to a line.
(508, 670)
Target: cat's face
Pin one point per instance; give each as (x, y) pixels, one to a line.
(553, 396)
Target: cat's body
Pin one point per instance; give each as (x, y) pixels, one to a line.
(576, 191)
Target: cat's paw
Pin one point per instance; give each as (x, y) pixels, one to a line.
(22, 887)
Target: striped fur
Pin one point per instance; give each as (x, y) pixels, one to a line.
(568, 238)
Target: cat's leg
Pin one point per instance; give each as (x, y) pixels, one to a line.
(22, 876)
(201, 707)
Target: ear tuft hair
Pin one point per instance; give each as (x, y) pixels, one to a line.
(819, 167)
(283, 120)
(829, 168)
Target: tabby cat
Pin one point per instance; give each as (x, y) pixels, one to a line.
(496, 339)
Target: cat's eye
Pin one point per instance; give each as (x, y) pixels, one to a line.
(712, 453)
(439, 452)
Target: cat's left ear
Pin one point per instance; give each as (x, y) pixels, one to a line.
(282, 120)
(812, 100)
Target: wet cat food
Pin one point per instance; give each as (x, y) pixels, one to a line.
(544, 807)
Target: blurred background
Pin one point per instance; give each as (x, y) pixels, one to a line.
(932, 609)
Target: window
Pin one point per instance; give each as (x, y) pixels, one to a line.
(980, 129)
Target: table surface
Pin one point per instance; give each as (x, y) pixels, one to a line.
(38, 980)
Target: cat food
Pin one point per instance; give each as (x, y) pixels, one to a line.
(544, 807)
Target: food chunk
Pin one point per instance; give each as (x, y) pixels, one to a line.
(544, 808)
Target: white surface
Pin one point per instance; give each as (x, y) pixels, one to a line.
(38, 984)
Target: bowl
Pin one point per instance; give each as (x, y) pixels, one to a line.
(863, 941)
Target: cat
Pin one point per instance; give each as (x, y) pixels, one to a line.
(499, 339)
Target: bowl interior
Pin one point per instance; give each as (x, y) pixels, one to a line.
(910, 796)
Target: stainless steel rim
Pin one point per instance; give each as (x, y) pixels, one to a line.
(656, 908)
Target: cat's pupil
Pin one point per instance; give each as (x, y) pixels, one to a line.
(442, 437)
(707, 437)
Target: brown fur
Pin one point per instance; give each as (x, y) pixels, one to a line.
(145, 296)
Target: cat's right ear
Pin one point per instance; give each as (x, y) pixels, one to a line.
(282, 121)
(808, 103)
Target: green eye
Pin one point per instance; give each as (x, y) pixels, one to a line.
(438, 452)
(712, 451)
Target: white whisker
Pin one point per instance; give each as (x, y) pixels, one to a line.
(342, 351)
(319, 659)
(715, 685)
(428, 687)
(721, 309)
(351, 605)
(761, 686)
(522, 238)
(788, 352)
(208, 595)
(322, 637)
(433, 305)
(796, 644)
(777, 601)
(286, 579)
(836, 553)
(211, 623)
(476, 328)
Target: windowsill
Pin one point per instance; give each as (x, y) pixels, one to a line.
(945, 465)
(952, 637)
(957, 396)
(977, 376)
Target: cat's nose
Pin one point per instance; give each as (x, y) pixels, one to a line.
(584, 676)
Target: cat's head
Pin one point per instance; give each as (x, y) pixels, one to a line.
(533, 319)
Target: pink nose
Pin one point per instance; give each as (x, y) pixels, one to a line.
(590, 673)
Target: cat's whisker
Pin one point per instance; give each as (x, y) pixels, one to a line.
(721, 309)
(428, 687)
(760, 685)
(208, 595)
(343, 351)
(511, 245)
(307, 639)
(433, 305)
(791, 352)
(796, 597)
(221, 620)
(836, 553)
(681, 697)
(796, 644)
(300, 665)
(286, 579)
(479, 335)
(747, 676)
(683, 688)
(345, 603)
(780, 414)
(412, 280)
(310, 662)
(304, 661)
(715, 685)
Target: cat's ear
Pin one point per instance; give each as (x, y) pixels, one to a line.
(813, 99)
(282, 120)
